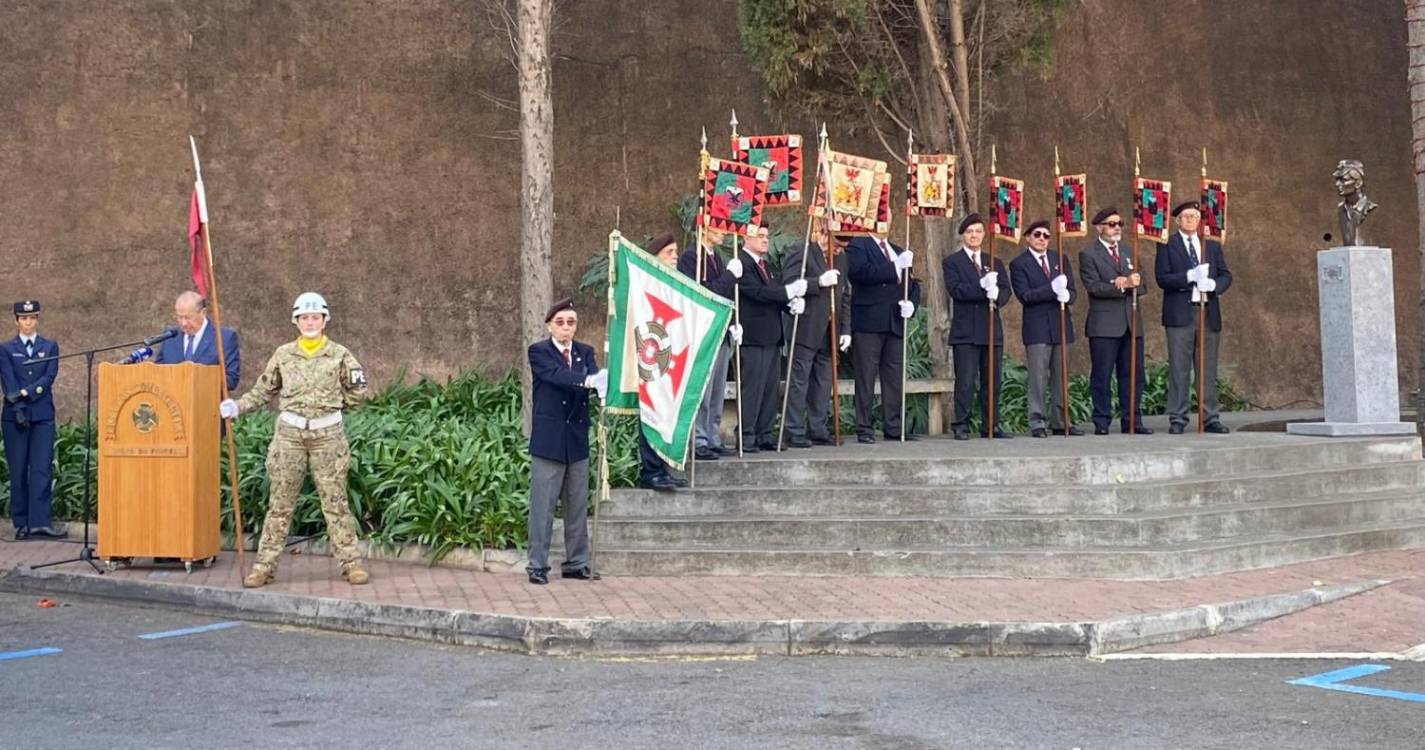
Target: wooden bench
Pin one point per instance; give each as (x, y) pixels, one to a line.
(847, 388)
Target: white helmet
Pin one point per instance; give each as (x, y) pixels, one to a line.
(309, 302)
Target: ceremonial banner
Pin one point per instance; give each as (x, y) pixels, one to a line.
(663, 337)
(781, 156)
(197, 259)
(1071, 196)
(860, 195)
(734, 195)
(1151, 203)
(1214, 210)
(930, 190)
(1006, 207)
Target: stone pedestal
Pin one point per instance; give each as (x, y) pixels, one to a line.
(1358, 366)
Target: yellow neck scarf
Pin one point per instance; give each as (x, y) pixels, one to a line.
(310, 347)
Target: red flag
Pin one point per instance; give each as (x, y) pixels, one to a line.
(197, 258)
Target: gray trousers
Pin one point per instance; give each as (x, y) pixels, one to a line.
(809, 392)
(1182, 361)
(877, 354)
(708, 424)
(549, 483)
(1046, 368)
(759, 378)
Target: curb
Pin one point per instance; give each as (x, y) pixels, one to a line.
(602, 637)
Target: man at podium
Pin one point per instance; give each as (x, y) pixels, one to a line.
(317, 378)
(196, 341)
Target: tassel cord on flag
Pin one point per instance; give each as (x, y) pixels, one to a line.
(239, 542)
(797, 318)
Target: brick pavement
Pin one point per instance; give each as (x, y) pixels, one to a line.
(1391, 617)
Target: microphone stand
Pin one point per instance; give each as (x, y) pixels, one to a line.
(86, 552)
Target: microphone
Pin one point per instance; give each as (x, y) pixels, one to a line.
(166, 335)
(138, 355)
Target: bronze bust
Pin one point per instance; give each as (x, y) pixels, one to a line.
(1355, 206)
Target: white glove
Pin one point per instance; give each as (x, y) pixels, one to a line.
(1063, 296)
(228, 409)
(829, 278)
(798, 305)
(990, 279)
(734, 267)
(735, 331)
(599, 381)
(907, 308)
(844, 343)
(1202, 271)
(992, 293)
(797, 288)
(1060, 284)
(904, 260)
(1207, 285)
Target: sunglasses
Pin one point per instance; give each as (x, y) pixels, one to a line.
(1112, 224)
(1041, 234)
(561, 322)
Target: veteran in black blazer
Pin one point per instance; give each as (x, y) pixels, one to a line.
(809, 389)
(764, 297)
(1042, 280)
(1188, 270)
(969, 285)
(874, 265)
(1108, 276)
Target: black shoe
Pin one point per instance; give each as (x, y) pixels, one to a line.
(999, 435)
(580, 574)
(1073, 432)
(908, 438)
(48, 532)
(726, 451)
(706, 454)
(821, 441)
(1175, 429)
(1139, 429)
(750, 448)
(767, 445)
(796, 443)
(868, 439)
(539, 577)
(962, 435)
(1039, 432)
(677, 481)
(22, 533)
(1216, 428)
(659, 484)
(1100, 430)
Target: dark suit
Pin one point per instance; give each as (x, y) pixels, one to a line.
(708, 425)
(970, 335)
(1108, 331)
(559, 451)
(809, 389)
(28, 427)
(205, 352)
(1180, 322)
(1041, 332)
(763, 299)
(877, 330)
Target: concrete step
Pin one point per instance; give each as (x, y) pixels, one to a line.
(1140, 530)
(1067, 499)
(1164, 562)
(1107, 460)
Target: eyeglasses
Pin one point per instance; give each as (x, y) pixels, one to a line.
(565, 321)
(1039, 233)
(1112, 224)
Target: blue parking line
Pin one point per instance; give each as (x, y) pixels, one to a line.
(189, 631)
(1336, 681)
(46, 651)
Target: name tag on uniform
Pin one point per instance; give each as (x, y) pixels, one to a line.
(358, 377)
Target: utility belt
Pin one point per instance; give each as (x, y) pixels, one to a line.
(315, 423)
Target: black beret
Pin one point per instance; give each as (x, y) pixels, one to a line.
(1103, 215)
(1181, 207)
(661, 241)
(27, 307)
(558, 307)
(970, 221)
(1041, 224)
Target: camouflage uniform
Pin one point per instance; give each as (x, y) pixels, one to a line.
(308, 387)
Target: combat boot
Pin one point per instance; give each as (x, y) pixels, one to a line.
(259, 576)
(354, 575)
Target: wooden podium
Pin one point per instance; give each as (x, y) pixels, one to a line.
(158, 461)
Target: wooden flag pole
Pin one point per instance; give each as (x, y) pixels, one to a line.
(1201, 311)
(238, 537)
(737, 321)
(1063, 311)
(797, 319)
(905, 295)
(990, 321)
(1133, 313)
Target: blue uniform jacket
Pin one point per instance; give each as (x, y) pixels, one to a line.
(1035, 291)
(36, 379)
(876, 289)
(1171, 270)
(969, 307)
(559, 429)
(170, 352)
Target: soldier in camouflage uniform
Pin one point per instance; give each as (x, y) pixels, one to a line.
(314, 379)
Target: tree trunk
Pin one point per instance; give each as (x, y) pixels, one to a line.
(1415, 29)
(960, 58)
(537, 180)
(969, 187)
(939, 236)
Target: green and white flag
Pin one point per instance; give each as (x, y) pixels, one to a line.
(664, 333)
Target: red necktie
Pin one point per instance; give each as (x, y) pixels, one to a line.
(885, 249)
(1044, 263)
(762, 267)
(1113, 250)
(568, 362)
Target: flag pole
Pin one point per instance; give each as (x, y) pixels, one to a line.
(1201, 309)
(700, 273)
(737, 321)
(238, 537)
(1063, 313)
(905, 290)
(1133, 310)
(603, 432)
(990, 320)
(797, 319)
